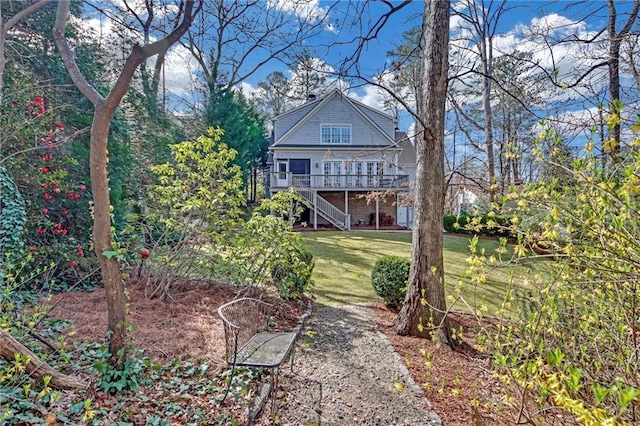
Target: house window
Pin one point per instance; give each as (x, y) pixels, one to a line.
(354, 174)
(375, 171)
(336, 133)
(282, 170)
(332, 171)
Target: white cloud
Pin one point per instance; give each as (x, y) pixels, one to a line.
(180, 71)
(371, 97)
(247, 89)
(100, 28)
(555, 25)
(306, 9)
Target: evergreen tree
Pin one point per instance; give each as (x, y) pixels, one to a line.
(243, 130)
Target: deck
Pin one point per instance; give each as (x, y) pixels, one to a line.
(283, 180)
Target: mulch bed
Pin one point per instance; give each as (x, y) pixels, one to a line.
(187, 324)
(452, 380)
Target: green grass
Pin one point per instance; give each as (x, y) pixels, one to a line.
(344, 261)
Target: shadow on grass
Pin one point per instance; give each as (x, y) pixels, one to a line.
(334, 298)
(330, 251)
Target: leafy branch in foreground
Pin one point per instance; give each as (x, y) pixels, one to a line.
(196, 223)
(573, 350)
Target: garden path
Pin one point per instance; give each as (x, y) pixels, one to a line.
(342, 356)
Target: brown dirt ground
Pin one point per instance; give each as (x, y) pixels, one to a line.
(188, 326)
(457, 383)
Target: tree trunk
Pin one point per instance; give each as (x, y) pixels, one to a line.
(615, 40)
(109, 267)
(426, 278)
(9, 347)
(103, 113)
(486, 56)
(614, 74)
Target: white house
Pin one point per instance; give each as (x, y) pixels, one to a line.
(336, 152)
(407, 164)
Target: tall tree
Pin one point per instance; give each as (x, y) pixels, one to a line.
(480, 20)
(104, 109)
(310, 76)
(405, 65)
(243, 128)
(615, 41)
(517, 89)
(272, 97)
(424, 309)
(235, 38)
(620, 20)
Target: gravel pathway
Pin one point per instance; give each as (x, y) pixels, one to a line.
(342, 357)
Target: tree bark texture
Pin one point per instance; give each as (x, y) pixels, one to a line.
(426, 278)
(615, 41)
(110, 267)
(9, 347)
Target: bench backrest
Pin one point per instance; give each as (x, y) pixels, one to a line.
(242, 319)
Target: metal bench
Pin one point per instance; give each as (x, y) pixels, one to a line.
(251, 343)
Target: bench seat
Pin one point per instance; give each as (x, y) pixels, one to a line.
(265, 350)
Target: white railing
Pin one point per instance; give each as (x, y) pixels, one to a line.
(353, 182)
(327, 210)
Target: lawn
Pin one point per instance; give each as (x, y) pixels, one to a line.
(344, 261)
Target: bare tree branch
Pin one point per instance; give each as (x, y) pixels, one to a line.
(24, 13)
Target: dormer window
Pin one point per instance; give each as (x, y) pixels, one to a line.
(336, 133)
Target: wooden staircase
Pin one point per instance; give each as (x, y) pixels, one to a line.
(324, 208)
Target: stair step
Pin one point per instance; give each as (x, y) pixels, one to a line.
(308, 196)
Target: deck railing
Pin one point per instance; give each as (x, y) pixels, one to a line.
(330, 212)
(353, 182)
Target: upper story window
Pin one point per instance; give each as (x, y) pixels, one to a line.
(336, 133)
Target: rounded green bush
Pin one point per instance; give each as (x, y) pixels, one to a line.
(292, 275)
(390, 276)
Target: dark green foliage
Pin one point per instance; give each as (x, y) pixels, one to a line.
(44, 147)
(243, 127)
(117, 380)
(13, 218)
(494, 226)
(390, 276)
(292, 274)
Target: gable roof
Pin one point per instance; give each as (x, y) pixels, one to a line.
(317, 105)
(408, 156)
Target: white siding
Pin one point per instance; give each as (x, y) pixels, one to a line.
(336, 111)
(287, 121)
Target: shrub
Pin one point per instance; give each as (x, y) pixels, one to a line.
(389, 277)
(292, 273)
(570, 355)
(488, 224)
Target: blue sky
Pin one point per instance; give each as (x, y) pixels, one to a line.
(557, 18)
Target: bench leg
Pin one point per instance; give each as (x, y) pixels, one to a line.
(274, 391)
(226, 393)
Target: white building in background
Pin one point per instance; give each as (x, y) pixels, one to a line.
(336, 152)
